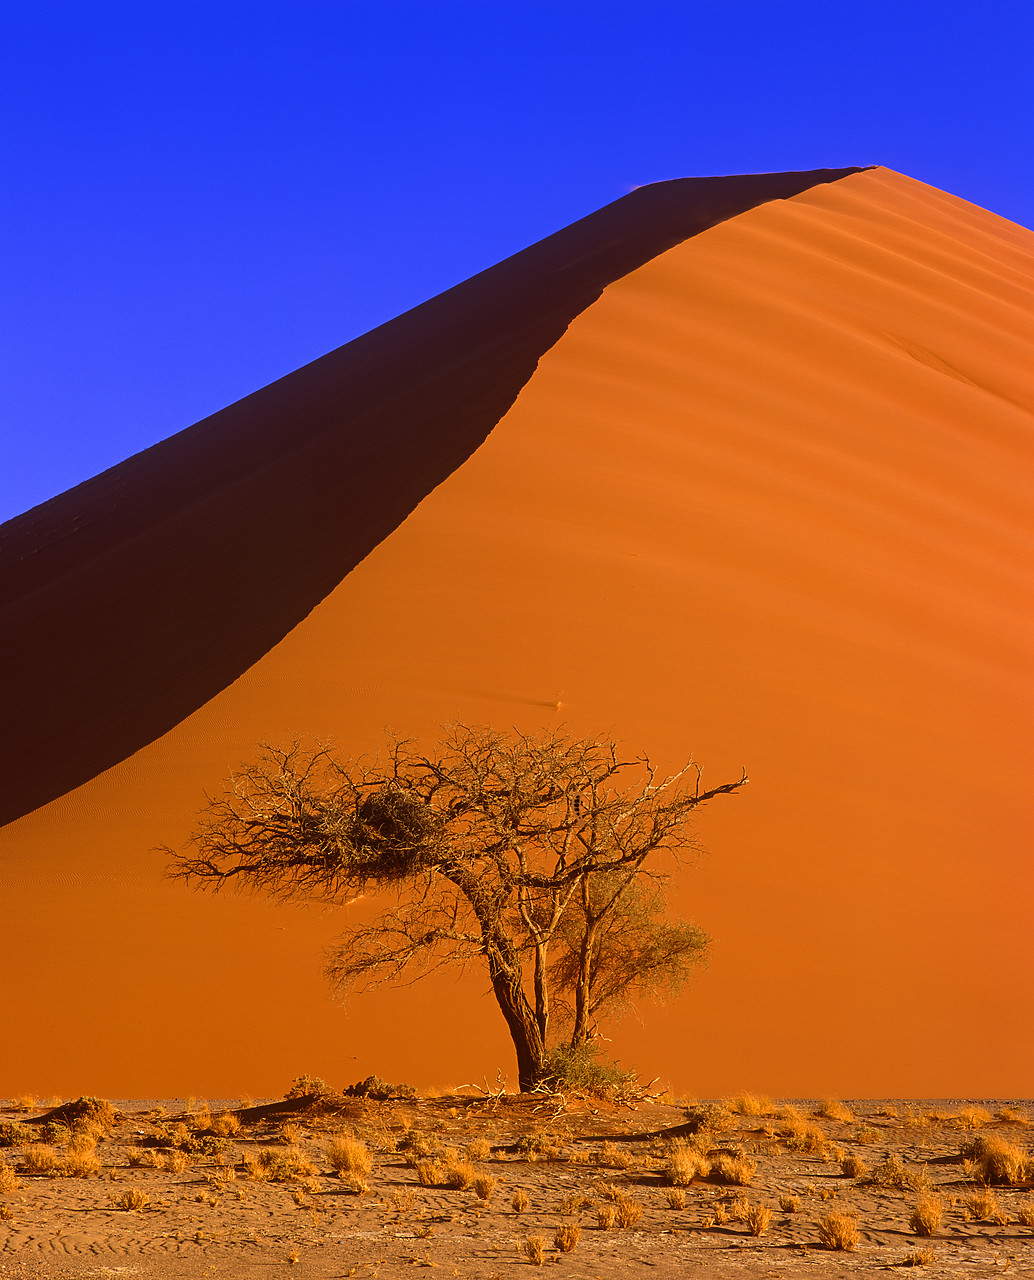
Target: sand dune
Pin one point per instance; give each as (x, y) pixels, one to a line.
(765, 500)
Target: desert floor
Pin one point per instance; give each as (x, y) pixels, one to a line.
(243, 1190)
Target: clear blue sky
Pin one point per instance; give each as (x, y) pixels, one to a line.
(199, 197)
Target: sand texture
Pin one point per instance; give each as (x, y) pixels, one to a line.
(681, 1189)
(766, 500)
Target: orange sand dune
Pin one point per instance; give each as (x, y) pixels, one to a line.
(182, 566)
(765, 500)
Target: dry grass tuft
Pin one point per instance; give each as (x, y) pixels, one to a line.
(289, 1165)
(736, 1171)
(227, 1125)
(629, 1211)
(458, 1177)
(479, 1149)
(971, 1118)
(6, 1213)
(566, 1237)
(749, 1104)
(832, 1109)
(429, 1173)
(484, 1185)
(758, 1219)
(605, 1215)
(39, 1160)
(853, 1166)
(867, 1135)
(998, 1161)
(534, 1250)
(1025, 1217)
(132, 1198)
(984, 1207)
(790, 1204)
(8, 1181)
(918, 1258)
(684, 1164)
(892, 1173)
(676, 1198)
(349, 1158)
(838, 1231)
(926, 1216)
(79, 1164)
(519, 1200)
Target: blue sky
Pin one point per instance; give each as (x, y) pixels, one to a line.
(198, 198)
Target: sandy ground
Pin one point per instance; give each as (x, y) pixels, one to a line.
(212, 1212)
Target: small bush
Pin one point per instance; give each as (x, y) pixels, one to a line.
(676, 1198)
(534, 1250)
(983, 1207)
(853, 1166)
(458, 1177)
(918, 1258)
(566, 1237)
(8, 1181)
(790, 1204)
(892, 1173)
(748, 1104)
(838, 1231)
(998, 1161)
(972, 1118)
(605, 1215)
(925, 1217)
(684, 1164)
(429, 1172)
(348, 1157)
(132, 1198)
(39, 1159)
(582, 1069)
(734, 1170)
(78, 1164)
(16, 1135)
(831, 1109)
(307, 1086)
(629, 1211)
(758, 1218)
(713, 1118)
(867, 1135)
(284, 1166)
(227, 1125)
(519, 1200)
(479, 1149)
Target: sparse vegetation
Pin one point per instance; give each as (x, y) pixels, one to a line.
(997, 1160)
(926, 1216)
(535, 1250)
(838, 1231)
(350, 1159)
(832, 1109)
(684, 1164)
(132, 1199)
(566, 1237)
(790, 1204)
(737, 1171)
(519, 1200)
(853, 1166)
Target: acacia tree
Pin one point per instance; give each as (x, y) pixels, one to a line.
(534, 857)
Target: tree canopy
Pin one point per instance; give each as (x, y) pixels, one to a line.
(536, 857)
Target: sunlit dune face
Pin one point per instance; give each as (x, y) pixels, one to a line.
(766, 502)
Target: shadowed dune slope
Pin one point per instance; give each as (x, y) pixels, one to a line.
(132, 599)
(767, 500)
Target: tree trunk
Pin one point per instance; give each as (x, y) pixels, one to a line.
(520, 1017)
(580, 1030)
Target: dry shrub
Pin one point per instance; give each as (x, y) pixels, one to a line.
(176, 1161)
(983, 1207)
(998, 1161)
(39, 1159)
(1025, 1217)
(684, 1164)
(926, 1215)
(403, 1201)
(519, 1200)
(566, 1237)
(853, 1166)
(867, 1135)
(749, 1104)
(719, 1215)
(284, 1166)
(79, 1164)
(629, 1211)
(6, 1213)
(484, 1185)
(892, 1173)
(712, 1117)
(348, 1157)
(676, 1198)
(132, 1198)
(458, 1177)
(479, 1149)
(971, 1118)
(832, 1109)
(534, 1250)
(227, 1125)
(13, 1134)
(145, 1158)
(790, 1204)
(1011, 1115)
(758, 1219)
(838, 1231)
(429, 1172)
(736, 1171)
(8, 1182)
(918, 1258)
(605, 1215)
